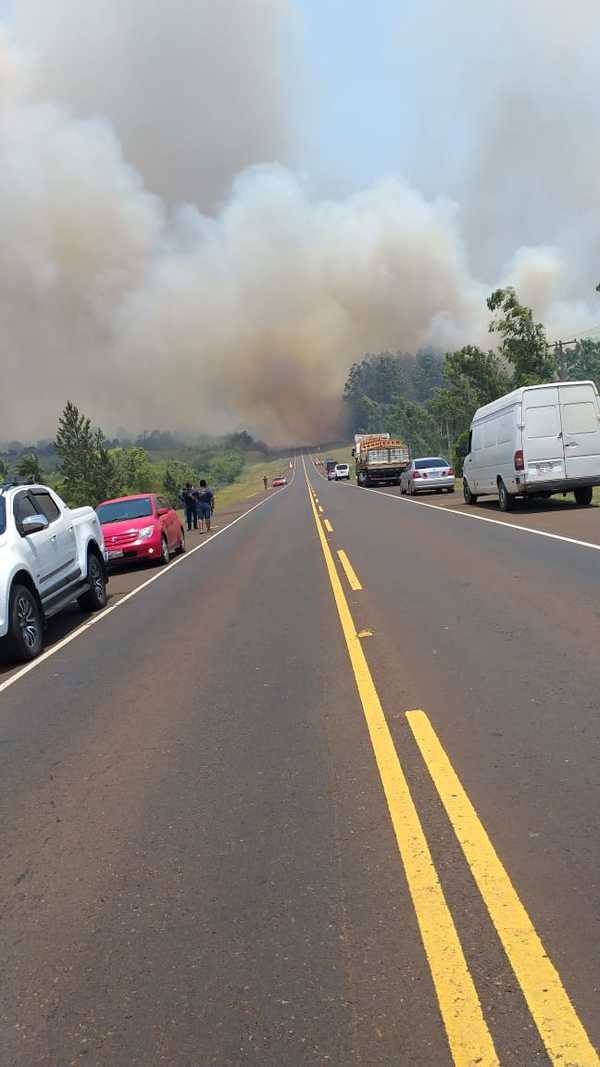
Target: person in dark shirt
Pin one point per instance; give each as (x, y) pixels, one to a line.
(206, 502)
(189, 500)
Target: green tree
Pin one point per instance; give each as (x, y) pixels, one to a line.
(175, 475)
(29, 469)
(86, 471)
(414, 424)
(479, 373)
(523, 343)
(583, 361)
(225, 467)
(133, 471)
(3, 470)
(428, 375)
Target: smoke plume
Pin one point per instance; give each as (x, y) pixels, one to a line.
(163, 262)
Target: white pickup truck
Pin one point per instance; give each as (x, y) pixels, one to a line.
(50, 555)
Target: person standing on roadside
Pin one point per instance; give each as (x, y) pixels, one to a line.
(190, 503)
(266, 481)
(206, 502)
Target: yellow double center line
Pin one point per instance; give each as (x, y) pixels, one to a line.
(468, 1035)
(565, 1039)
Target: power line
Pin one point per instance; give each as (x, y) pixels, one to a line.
(573, 341)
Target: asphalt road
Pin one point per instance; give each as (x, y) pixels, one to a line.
(226, 842)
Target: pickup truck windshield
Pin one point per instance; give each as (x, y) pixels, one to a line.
(121, 510)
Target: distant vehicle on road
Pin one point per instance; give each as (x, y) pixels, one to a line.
(329, 465)
(380, 460)
(428, 475)
(360, 437)
(140, 527)
(331, 475)
(342, 471)
(279, 481)
(535, 441)
(50, 555)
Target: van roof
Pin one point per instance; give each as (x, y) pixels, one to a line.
(516, 397)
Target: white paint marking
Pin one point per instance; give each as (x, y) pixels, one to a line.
(484, 518)
(479, 518)
(128, 596)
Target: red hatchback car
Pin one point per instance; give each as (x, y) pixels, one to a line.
(140, 527)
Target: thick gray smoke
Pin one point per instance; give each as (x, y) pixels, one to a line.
(162, 263)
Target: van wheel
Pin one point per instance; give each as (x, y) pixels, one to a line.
(470, 497)
(505, 500)
(584, 496)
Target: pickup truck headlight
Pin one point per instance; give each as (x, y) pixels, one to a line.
(147, 531)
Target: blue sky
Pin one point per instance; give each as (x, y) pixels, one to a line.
(356, 123)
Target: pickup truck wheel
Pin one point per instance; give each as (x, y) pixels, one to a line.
(584, 496)
(25, 638)
(95, 599)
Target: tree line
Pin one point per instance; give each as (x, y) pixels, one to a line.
(91, 468)
(429, 400)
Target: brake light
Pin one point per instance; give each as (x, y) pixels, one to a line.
(450, 472)
(519, 460)
(417, 474)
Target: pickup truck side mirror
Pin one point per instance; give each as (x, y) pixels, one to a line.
(163, 511)
(33, 524)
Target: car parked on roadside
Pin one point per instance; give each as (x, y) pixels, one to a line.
(342, 472)
(140, 527)
(50, 556)
(279, 481)
(429, 474)
(533, 442)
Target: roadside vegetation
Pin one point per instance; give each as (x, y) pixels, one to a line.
(85, 467)
(428, 399)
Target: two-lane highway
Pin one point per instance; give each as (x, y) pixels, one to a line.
(225, 841)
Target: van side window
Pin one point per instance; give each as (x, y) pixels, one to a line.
(477, 441)
(580, 418)
(489, 433)
(505, 429)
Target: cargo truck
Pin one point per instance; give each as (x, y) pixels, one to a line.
(380, 459)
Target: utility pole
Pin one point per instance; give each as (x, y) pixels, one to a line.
(561, 357)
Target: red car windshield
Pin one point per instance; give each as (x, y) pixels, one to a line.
(121, 510)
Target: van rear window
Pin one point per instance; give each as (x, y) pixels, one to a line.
(579, 418)
(542, 422)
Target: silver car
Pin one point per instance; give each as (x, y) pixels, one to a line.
(431, 474)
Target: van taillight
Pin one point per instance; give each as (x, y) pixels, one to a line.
(519, 461)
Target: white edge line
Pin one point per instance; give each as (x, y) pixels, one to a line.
(479, 518)
(128, 596)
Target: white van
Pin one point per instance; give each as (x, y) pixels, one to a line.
(535, 441)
